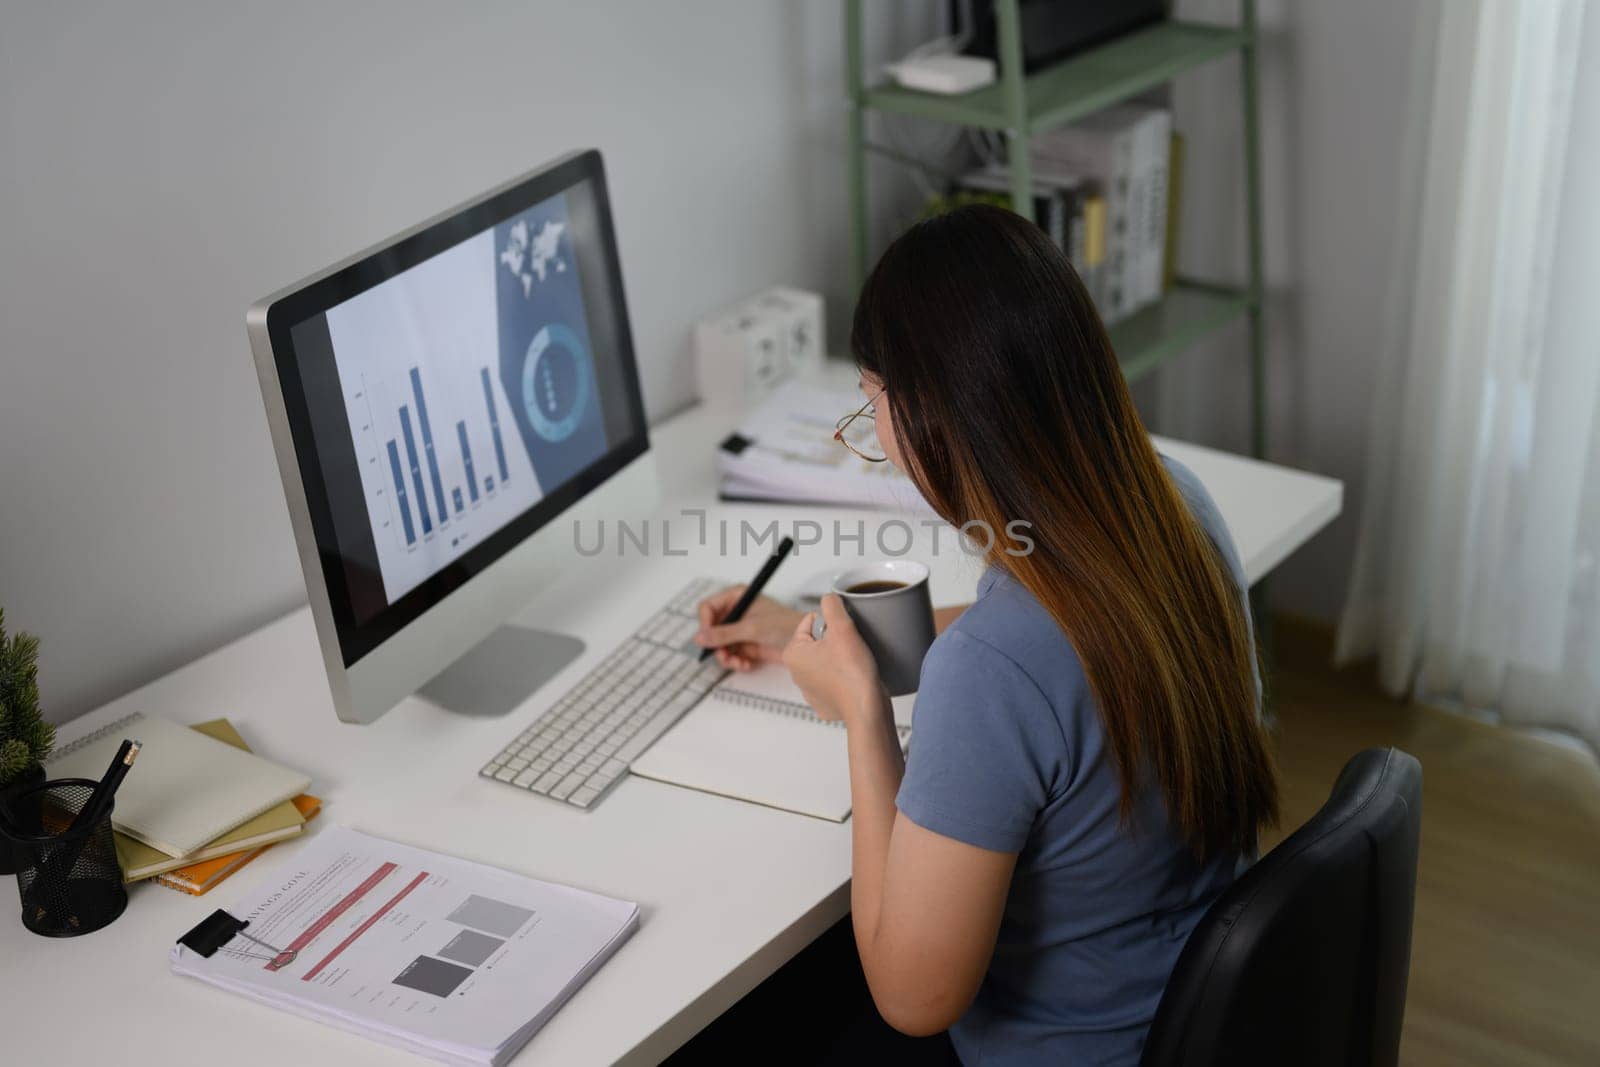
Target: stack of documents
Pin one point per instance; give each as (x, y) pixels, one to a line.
(443, 957)
(785, 451)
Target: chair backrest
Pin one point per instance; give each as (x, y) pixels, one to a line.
(1304, 959)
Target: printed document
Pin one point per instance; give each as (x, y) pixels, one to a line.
(451, 959)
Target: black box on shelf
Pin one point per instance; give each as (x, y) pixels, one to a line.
(1055, 29)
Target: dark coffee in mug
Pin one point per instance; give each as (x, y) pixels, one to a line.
(874, 587)
(890, 605)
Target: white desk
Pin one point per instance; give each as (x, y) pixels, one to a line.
(729, 891)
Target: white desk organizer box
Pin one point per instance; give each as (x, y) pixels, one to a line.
(745, 351)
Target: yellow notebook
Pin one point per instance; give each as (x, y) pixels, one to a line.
(199, 878)
(140, 861)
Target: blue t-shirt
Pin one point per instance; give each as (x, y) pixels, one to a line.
(1008, 754)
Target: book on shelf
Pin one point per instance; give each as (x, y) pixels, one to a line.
(1122, 153)
(1105, 191)
(1054, 200)
(1100, 148)
(1077, 235)
(1150, 183)
(1076, 191)
(1169, 258)
(1058, 202)
(1093, 270)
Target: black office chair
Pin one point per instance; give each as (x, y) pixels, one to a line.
(1304, 959)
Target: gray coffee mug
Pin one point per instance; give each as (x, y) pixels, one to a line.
(896, 623)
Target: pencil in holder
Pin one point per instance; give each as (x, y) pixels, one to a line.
(68, 877)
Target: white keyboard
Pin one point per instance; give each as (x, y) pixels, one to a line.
(582, 746)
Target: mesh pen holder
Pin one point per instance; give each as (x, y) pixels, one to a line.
(69, 880)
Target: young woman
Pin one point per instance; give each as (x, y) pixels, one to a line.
(1089, 769)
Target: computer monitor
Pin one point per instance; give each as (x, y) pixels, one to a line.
(436, 402)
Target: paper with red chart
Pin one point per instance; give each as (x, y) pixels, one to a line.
(451, 959)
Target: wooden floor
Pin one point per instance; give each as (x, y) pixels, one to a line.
(1505, 958)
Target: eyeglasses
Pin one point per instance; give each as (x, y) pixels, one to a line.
(841, 427)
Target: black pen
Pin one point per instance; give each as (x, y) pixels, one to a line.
(94, 808)
(753, 590)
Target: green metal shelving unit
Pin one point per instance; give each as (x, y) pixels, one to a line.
(1022, 106)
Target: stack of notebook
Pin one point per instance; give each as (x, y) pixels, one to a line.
(198, 806)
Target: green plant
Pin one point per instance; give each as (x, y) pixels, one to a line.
(25, 738)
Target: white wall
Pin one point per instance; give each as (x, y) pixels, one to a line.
(164, 164)
(1354, 62)
(1335, 79)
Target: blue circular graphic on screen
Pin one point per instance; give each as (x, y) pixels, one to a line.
(556, 381)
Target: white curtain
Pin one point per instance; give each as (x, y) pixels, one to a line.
(1476, 569)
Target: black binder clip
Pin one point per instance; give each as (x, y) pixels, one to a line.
(218, 928)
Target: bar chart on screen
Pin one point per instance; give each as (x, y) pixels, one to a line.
(402, 501)
(442, 465)
(422, 438)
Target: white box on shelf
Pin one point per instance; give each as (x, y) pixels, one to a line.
(743, 352)
(948, 75)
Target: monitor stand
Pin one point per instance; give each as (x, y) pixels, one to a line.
(502, 671)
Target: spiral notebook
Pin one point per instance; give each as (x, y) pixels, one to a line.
(186, 789)
(753, 738)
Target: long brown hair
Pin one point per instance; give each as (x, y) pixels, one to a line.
(1008, 404)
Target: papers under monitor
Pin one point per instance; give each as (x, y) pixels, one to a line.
(785, 452)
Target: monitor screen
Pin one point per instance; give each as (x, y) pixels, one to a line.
(456, 390)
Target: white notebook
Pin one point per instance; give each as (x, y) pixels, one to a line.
(185, 789)
(753, 738)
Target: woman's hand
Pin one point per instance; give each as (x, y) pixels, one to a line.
(837, 674)
(755, 639)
